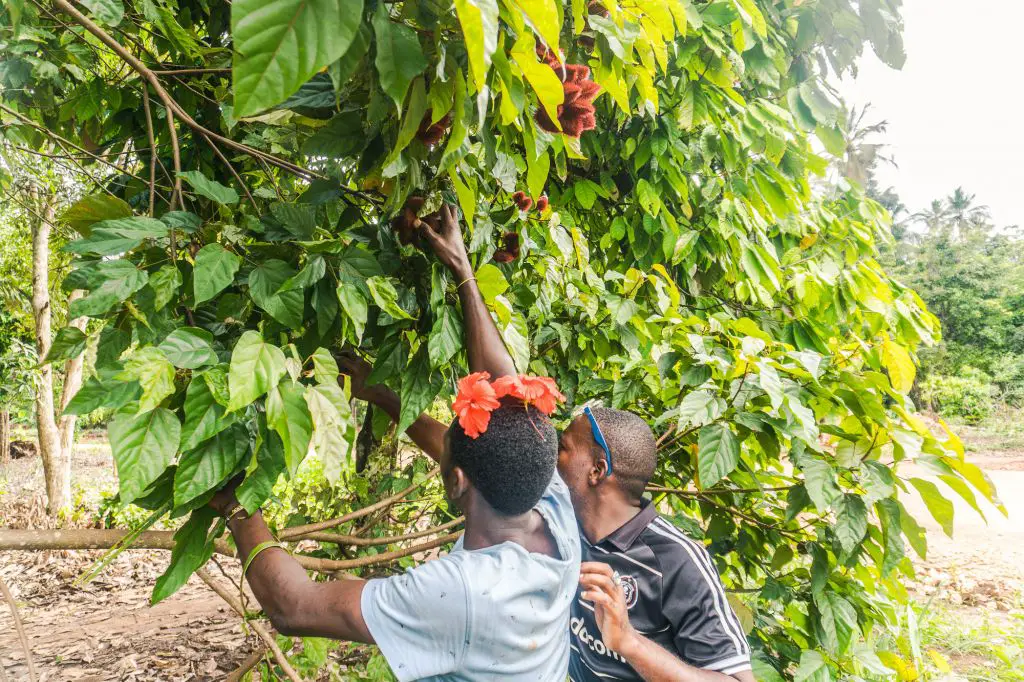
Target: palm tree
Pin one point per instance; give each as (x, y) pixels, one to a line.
(964, 213)
(862, 156)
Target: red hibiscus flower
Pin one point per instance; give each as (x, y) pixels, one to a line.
(542, 392)
(474, 403)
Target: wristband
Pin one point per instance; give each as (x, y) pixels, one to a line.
(468, 279)
(253, 554)
(234, 511)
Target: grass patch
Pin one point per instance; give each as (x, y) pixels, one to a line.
(972, 644)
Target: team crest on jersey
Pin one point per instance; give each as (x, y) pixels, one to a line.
(630, 589)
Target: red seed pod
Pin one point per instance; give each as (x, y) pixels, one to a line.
(527, 204)
(542, 203)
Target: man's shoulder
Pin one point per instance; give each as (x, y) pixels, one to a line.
(675, 551)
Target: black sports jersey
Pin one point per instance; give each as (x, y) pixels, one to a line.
(674, 597)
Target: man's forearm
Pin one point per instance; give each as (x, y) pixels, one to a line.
(656, 664)
(484, 345)
(426, 432)
(295, 604)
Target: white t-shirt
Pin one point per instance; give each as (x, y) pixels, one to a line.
(497, 613)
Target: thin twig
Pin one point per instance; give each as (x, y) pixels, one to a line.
(176, 158)
(339, 539)
(9, 598)
(726, 491)
(220, 155)
(152, 150)
(248, 664)
(258, 628)
(298, 531)
(332, 565)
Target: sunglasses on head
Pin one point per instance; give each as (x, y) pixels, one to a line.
(599, 438)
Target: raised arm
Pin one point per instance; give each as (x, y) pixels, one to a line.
(426, 432)
(295, 604)
(484, 345)
(650, 661)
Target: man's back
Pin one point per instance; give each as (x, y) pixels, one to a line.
(499, 612)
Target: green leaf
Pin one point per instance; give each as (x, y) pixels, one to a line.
(288, 415)
(281, 44)
(399, 55)
(265, 286)
(214, 271)
(333, 431)
(109, 12)
(415, 110)
(819, 479)
(913, 531)
(343, 69)
(87, 211)
(898, 363)
(851, 522)
(191, 550)
(211, 189)
(838, 621)
(699, 408)
(165, 283)
(325, 369)
(491, 283)
(545, 18)
(445, 338)
(143, 446)
(189, 348)
(256, 367)
(420, 385)
(299, 220)
(353, 303)
(717, 455)
(95, 393)
(67, 345)
(155, 374)
(208, 467)
(940, 508)
(311, 273)
(204, 416)
(258, 484)
(479, 21)
(537, 173)
(111, 237)
(386, 298)
(813, 668)
(541, 77)
(110, 282)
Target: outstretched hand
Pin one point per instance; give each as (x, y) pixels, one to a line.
(358, 370)
(446, 241)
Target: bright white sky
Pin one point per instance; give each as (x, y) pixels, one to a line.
(956, 110)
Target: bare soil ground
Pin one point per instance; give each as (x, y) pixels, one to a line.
(106, 630)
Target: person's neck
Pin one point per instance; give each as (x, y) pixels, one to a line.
(604, 512)
(485, 527)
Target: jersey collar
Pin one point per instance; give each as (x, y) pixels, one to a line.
(623, 537)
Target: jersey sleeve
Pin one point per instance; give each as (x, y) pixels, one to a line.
(707, 633)
(420, 619)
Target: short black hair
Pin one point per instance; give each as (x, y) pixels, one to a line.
(513, 461)
(634, 448)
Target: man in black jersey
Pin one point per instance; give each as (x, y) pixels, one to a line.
(651, 605)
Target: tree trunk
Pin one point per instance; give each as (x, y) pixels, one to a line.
(72, 382)
(58, 486)
(5, 437)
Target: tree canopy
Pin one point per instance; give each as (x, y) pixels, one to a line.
(636, 182)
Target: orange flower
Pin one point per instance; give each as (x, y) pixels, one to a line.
(542, 392)
(474, 403)
(509, 385)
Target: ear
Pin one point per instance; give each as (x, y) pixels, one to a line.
(598, 471)
(456, 484)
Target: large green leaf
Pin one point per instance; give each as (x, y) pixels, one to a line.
(838, 621)
(265, 286)
(211, 189)
(155, 375)
(851, 522)
(204, 416)
(209, 465)
(420, 385)
(280, 44)
(189, 347)
(269, 465)
(333, 431)
(479, 20)
(256, 367)
(445, 337)
(384, 295)
(215, 270)
(191, 550)
(95, 208)
(111, 237)
(718, 453)
(143, 446)
(399, 55)
(288, 415)
(110, 282)
(69, 343)
(353, 303)
(813, 668)
(940, 508)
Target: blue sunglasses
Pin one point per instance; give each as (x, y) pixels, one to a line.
(599, 438)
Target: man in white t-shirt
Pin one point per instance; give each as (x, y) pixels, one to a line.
(496, 607)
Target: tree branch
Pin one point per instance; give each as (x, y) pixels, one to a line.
(9, 598)
(152, 150)
(339, 539)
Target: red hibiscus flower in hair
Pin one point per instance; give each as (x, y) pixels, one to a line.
(541, 392)
(474, 403)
